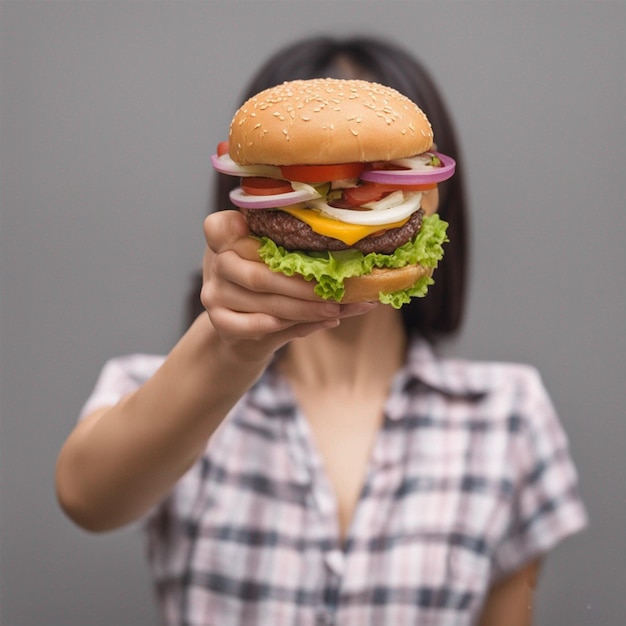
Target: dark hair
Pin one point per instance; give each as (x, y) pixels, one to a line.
(440, 313)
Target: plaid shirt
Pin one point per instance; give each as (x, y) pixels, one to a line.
(470, 477)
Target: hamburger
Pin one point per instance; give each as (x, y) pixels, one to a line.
(338, 180)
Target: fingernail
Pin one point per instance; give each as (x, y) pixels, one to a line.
(331, 323)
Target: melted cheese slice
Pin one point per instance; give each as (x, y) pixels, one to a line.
(348, 233)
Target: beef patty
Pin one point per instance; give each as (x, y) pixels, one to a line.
(292, 234)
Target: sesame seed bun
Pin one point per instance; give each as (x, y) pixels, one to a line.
(327, 121)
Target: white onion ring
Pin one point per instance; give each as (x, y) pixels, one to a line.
(399, 212)
(225, 165)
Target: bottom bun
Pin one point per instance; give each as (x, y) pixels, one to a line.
(366, 288)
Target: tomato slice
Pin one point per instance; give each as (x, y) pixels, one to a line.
(371, 192)
(260, 186)
(321, 173)
(222, 148)
(357, 196)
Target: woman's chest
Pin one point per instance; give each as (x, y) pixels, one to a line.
(338, 435)
(387, 494)
(267, 540)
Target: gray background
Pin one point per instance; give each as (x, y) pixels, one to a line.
(110, 111)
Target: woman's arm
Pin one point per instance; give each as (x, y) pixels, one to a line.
(510, 601)
(121, 460)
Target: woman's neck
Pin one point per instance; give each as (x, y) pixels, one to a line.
(361, 351)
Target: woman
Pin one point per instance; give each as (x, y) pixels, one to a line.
(297, 461)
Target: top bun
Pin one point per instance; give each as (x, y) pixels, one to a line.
(325, 121)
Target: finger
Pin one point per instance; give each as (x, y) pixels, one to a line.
(285, 307)
(255, 325)
(224, 228)
(297, 331)
(235, 326)
(259, 333)
(258, 278)
(228, 230)
(356, 308)
(248, 251)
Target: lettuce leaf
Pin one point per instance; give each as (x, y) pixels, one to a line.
(330, 269)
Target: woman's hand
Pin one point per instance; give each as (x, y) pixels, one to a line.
(254, 310)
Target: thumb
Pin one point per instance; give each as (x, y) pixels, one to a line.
(223, 229)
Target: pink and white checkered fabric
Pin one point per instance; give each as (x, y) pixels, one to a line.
(470, 478)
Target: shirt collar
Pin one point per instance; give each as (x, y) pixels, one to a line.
(426, 370)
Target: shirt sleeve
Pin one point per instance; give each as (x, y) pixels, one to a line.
(547, 506)
(119, 377)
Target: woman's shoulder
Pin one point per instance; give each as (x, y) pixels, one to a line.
(119, 376)
(464, 376)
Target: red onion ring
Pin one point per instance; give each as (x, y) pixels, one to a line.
(409, 176)
(248, 201)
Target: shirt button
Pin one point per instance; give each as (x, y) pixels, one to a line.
(324, 503)
(325, 619)
(336, 561)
